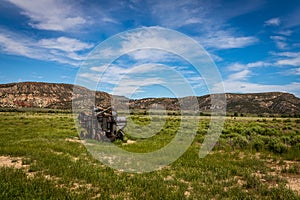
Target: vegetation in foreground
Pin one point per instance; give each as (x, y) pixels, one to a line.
(42, 158)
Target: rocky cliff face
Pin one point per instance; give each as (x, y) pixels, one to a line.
(61, 96)
(44, 95)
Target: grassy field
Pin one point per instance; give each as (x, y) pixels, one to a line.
(41, 157)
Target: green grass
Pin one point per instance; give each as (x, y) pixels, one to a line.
(57, 166)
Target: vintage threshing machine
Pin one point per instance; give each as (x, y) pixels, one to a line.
(102, 124)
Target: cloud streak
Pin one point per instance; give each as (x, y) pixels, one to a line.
(226, 40)
(273, 22)
(50, 14)
(288, 59)
(248, 87)
(240, 80)
(62, 49)
(208, 17)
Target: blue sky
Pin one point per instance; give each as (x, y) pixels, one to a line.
(255, 44)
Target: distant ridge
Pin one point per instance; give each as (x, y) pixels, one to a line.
(59, 96)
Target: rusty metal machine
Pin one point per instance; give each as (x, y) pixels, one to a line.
(102, 124)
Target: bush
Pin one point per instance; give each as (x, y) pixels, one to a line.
(295, 140)
(258, 143)
(270, 132)
(285, 139)
(240, 141)
(293, 153)
(276, 146)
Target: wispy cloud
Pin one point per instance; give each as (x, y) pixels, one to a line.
(151, 43)
(209, 18)
(63, 49)
(291, 61)
(240, 67)
(240, 80)
(242, 72)
(296, 71)
(124, 81)
(285, 32)
(291, 72)
(248, 87)
(134, 79)
(187, 12)
(241, 75)
(288, 58)
(287, 54)
(280, 41)
(273, 22)
(177, 13)
(64, 44)
(226, 40)
(50, 14)
(292, 19)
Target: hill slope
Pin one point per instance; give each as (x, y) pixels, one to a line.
(43, 95)
(60, 96)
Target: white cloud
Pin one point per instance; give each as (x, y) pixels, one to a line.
(239, 66)
(178, 13)
(65, 44)
(247, 87)
(289, 58)
(128, 87)
(280, 41)
(273, 22)
(292, 19)
(209, 19)
(112, 74)
(50, 14)
(285, 32)
(126, 81)
(239, 81)
(11, 45)
(297, 71)
(278, 38)
(193, 20)
(152, 55)
(152, 44)
(63, 49)
(286, 54)
(258, 64)
(226, 40)
(136, 69)
(216, 57)
(243, 71)
(291, 61)
(292, 71)
(241, 75)
(109, 20)
(175, 14)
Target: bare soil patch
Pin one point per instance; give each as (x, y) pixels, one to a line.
(15, 162)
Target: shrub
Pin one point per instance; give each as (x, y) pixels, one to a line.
(285, 139)
(257, 143)
(252, 182)
(240, 141)
(276, 146)
(295, 140)
(270, 132)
